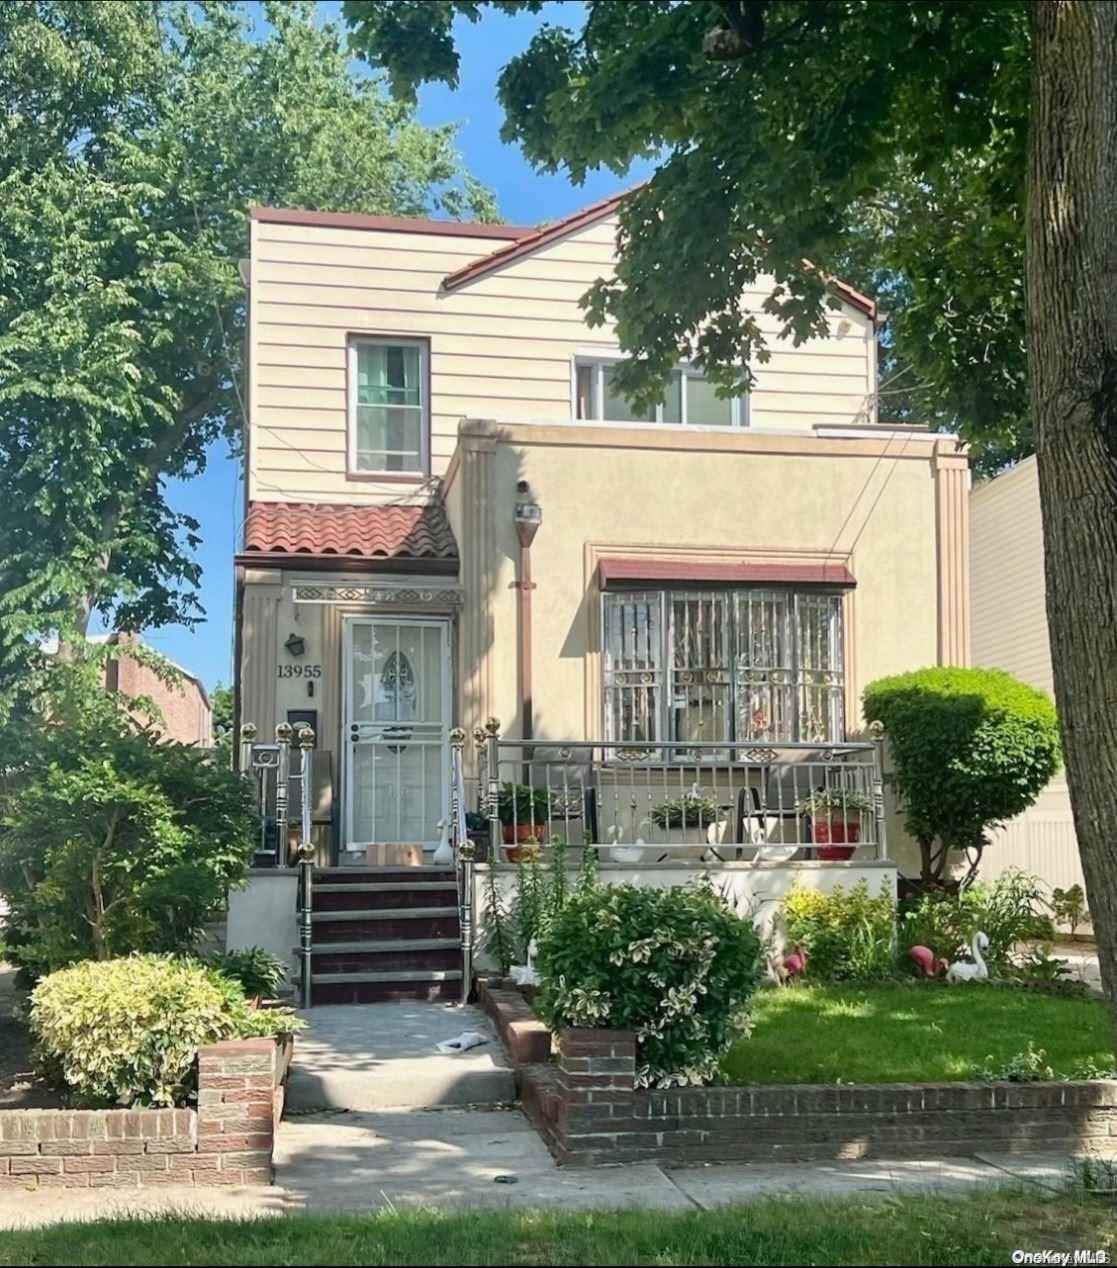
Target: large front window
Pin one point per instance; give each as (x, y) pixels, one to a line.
(388, 406)
(723, 666)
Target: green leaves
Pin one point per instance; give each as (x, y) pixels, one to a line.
(110, 841)
(133, 139)
(128, 1031)
(675, 965)
(882, 141)
(969, 748)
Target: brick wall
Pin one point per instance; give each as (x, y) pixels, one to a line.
(587, 1108)
(187, 713)
(228, 1139)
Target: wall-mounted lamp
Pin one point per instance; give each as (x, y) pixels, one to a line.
(529, 514)
(295, 644)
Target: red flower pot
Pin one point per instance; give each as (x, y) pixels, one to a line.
(516, 837)
(835, 839)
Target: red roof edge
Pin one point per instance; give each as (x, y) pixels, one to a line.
(538, 238)
(386, 224)
(618, 569)
(532, 240)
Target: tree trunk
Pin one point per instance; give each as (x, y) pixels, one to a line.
(1071, 283)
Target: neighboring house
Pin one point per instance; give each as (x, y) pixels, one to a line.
(1010, 632)
(184, 704)
(453, 515)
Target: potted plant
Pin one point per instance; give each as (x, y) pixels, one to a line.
(835, 820)
(523, 811)
(692, 810)
(477, 830)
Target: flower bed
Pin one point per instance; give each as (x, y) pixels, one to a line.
(588, 1109)
(228, 1139)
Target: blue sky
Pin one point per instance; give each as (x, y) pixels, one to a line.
(525, 197)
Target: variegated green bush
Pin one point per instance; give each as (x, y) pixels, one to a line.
(677, 966)
(128, 1031)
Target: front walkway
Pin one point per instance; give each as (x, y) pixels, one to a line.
(384, 1056)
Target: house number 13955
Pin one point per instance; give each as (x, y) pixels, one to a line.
(298, 671)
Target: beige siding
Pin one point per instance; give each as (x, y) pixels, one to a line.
(502, 346)
(1010, 632)
(1009, 617)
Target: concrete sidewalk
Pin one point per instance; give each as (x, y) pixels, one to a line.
(472, 1159)
(493, 1158)
(383, 1056)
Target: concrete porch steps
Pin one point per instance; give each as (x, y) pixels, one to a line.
(386, 987)
(383, 934)
(371, 897)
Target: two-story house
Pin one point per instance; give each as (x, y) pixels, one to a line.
(452, 515)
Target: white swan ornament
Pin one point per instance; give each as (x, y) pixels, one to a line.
(525, 974)
(978, 971)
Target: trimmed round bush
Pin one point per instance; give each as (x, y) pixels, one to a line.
(677, 966)
(969, 748)
(128, 1031)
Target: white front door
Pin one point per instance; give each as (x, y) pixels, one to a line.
(397, 723)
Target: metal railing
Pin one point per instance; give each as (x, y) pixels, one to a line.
(269, 768)
(463, 857)
(701, 803)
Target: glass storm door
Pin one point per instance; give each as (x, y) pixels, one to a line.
(397, 723)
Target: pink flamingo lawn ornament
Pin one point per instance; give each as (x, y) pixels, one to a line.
(795, 964)
(925, 958)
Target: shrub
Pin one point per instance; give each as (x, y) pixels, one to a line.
(969, 748)
(676, 966)
(111, 842)
(258, 973)
(1008, 909)
(1068, 907)
(127, 1032)
(847, 936)
(543, 887)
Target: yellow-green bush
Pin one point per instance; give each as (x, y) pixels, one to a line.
(128, 1031)
(847, 936)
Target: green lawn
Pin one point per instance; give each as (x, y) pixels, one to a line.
(980, 1229)
(911, 1033)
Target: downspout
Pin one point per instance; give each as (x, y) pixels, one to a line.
(528, 517)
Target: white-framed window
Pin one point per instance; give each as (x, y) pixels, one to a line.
(728, 665)
(690, 399)
(389, 413)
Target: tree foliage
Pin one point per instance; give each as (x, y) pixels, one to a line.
(969, 747)
(883, 141)
(133, 138)
(111, 841)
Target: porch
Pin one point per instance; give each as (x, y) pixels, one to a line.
(408, 923)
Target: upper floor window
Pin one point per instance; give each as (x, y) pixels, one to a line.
(691, 399)
(389, 418)
(723, 666)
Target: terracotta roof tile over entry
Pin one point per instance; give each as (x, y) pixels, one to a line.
(384, 535)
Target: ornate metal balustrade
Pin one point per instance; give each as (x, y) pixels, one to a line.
(703, 803)
(271, 771)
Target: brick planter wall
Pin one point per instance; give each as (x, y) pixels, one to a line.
(588, 1110)
(227, 1140)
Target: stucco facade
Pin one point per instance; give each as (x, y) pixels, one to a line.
(806, 479)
